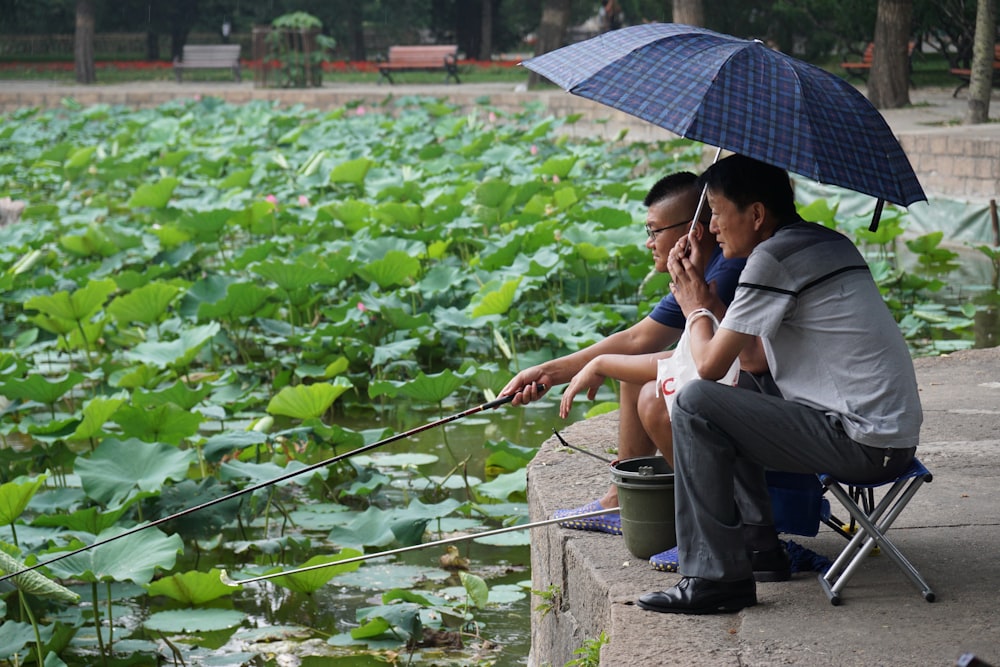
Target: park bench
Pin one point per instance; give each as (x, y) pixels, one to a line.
(425, 58)
(861, 68)
(208, 56)
(965, 75)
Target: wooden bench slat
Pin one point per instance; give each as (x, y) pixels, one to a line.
(209, 56)
(428, 58)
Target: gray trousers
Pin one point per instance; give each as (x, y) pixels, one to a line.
(724, 439)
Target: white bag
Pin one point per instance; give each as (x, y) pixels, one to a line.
(674, 371)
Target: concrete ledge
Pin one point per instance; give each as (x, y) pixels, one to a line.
(950, 531)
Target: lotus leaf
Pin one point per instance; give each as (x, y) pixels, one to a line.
(437, 387)
(15, 496)
(166, 422)
(313, 580)
(177, 353)
(96, 412)
(39, 388)
(308, 401)
(352, 171)
(134, 557)
(177, 621)
(476, 587)
(92, 520)
(191, 587)
(396, 268)
(34, 582)
(505, 485)
(144, 305)
(117, 468)
(15, 637)
(495, 298)
(153, 195)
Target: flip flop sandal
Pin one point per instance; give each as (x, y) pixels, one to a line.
(665, 561)
(606, 523)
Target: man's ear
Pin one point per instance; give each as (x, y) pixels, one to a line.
(698, 233)
(759, 212)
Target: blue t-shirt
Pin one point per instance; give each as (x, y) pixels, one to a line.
(725, 273)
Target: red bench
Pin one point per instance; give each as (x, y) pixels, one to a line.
(861, 69)
(426, 58)
(966, 74)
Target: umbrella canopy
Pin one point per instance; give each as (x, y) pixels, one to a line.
(742, 96)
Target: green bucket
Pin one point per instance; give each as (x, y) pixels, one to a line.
(646, 503)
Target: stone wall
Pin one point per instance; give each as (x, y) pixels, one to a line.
(960, 162)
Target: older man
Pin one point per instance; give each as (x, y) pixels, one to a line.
(846, 402)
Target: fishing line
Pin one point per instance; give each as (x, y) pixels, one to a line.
(229, 581)
(280, 478)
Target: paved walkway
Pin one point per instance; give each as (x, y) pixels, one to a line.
(931, 108)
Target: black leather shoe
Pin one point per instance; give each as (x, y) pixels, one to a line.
(693, 595)
(771, 565)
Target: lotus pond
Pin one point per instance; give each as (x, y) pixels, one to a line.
(201, 298)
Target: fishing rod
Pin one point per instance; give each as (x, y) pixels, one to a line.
(229, 581)
(280, 478)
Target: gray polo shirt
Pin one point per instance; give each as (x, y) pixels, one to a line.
(830, 341)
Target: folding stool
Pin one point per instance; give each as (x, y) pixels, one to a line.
(873, 522)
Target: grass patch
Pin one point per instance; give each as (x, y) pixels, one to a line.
(120, 71)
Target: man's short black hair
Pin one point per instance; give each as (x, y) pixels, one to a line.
(669, 186)
(743, 181)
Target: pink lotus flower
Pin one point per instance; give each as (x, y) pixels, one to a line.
(493, 117)
(360, 110)
(362, 307)
(534, 149)
(555, 178)
(303, 200)
(271, 199)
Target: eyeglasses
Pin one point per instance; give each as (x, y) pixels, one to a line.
(651, 233)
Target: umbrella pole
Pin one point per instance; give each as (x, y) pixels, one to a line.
(704, 195)
(877, 215)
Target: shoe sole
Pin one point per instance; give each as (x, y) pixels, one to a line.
(728, 608)
(772, 576)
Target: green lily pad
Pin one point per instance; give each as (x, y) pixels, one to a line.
(191, 587)
(308, 401)
(313, 580)
(118, 468)
(177, 621)
(135, 557)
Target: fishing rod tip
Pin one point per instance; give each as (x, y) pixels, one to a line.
(227, 580)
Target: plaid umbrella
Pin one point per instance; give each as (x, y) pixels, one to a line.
(742, 96)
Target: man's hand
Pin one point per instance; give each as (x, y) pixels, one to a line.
(588, 378)
(527, 386)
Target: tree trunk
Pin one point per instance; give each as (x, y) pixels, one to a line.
(690, 12)
(83, 42)
(981, 79)
(551, 31)
(486, 43)
(152, 46)
(356, 28)
(889, 81)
